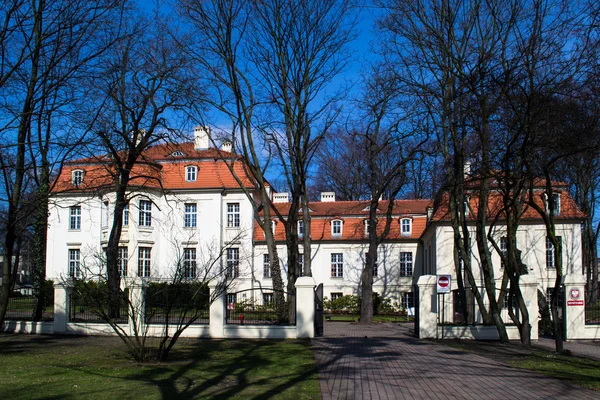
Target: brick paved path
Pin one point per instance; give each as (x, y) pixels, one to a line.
(383, 361)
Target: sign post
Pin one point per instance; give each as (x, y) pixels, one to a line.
(443, 286)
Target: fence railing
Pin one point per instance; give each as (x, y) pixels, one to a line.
(177, 304)
(22, 308)
(86, 311)
(260, 307)
(592, 310)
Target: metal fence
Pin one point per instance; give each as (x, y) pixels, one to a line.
(592, 311)
(22, 308)
(474, 316)
(260, 307)
(179, 304)
(84, 310)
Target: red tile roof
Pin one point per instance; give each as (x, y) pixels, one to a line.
(158, 167)
(353, 214)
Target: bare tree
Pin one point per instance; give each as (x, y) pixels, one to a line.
(45, 48)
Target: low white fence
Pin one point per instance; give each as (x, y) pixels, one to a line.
(216, 328)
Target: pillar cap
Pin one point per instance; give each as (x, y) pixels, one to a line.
(305, 281)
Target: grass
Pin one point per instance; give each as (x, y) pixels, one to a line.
(36, 367)
(579, 371)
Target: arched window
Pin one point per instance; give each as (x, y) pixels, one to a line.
(77, 177)
(177, 153)
(191, 173)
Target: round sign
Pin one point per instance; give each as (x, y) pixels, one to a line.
(443, 281)
(574, 293)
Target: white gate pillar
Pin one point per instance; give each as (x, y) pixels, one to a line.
(217, 309)
(305, 307)
(137, 306)
(574, 307)
(428, 311)
(62, 304)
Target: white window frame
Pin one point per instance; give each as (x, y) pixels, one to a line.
(77, 176)
(105, 213)
(145, 213)
(191, 173)
(406, 223)
(233, 215)
(74, 263)
(188, 270)
(266, 266)
(551, 253)
(122, 260)
(268, 299)
(336, 295)
(190, 215)
(406, 264)
(300, 229)
(126, 215)
(407, 300)
(337, 265)
(75, 218)
(366, 228)
(335, 224)
(233, 262)
(144, 262)
(503, 250)
(301, 264)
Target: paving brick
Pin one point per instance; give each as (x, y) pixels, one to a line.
(384, 361)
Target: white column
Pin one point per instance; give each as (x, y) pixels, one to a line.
(217, 309)
(137, 300)
(305, 307)
(62, 303)
(574, 308)
(428, 312)
(529, 288)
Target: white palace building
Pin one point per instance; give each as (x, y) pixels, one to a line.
(186, 205)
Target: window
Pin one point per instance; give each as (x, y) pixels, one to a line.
(122, 259)
(177, 153)
(300, 229)
(406, 264)
(126, 215)
(336, 295)
(366, 228)
(551, 252)
(233, 215)
(555, 200)
(337, 265)
(77, 177)
(300, 265)
(74, 263)
(466, 206)
(105, 209)
(189, 216)
(406, 226)
(268, 299)
(233, 262)
(406, 300)
(191, 173)
(266, 266)
(189, 264)
(375, 267)
(503, 249)
(231, 299)
(144, 261)
(145, 216)
(75, 218)
(336, 228)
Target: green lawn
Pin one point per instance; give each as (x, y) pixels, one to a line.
(36, 367)
(581, 371)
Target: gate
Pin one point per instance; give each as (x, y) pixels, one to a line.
(416, 304)
(319, 310)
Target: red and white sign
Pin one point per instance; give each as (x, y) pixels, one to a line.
(575, 297)
(443, 283)
(231, 306)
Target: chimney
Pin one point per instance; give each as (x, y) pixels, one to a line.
(226, 146)
(201, 137)
(327, 197)
(281, 197)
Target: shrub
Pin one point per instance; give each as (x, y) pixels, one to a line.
(348, 304)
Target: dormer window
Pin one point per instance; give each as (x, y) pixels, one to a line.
(300, 229)
(406, 226)
(336, 228)
(466, 206)
(177, 153)
(367, 228)
(77, 177)
(555, 200)
(191, 173)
